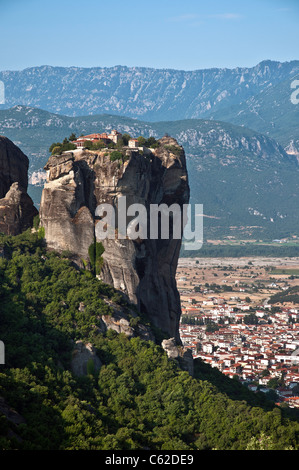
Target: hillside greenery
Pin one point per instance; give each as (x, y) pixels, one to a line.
(138, 400)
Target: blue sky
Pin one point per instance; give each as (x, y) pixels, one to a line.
(179, 34)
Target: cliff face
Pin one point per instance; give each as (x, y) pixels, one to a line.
(144, 269)
(16, 207)
(13, 166)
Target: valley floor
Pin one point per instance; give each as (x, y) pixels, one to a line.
(241, 315)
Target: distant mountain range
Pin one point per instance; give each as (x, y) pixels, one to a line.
(248, 184)
(271, 112)
(255, 97)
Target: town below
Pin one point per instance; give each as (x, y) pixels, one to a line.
(242, 317)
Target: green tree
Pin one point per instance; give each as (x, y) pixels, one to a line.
(264, 442)
(36, 222)
(141, 141)
(55, 144)
(126, 138)
(151, 142)
(273, 383)
(98, 145)
(251, 319)
(90, 367)
(41, 233)
(116, 155)
(88, 144)
(56, 150)
(265, 373)
(95, 252)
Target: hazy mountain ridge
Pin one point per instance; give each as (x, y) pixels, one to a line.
(246, 181)
(20, 121)
(271, 112)
(254, 182)
(152, 94)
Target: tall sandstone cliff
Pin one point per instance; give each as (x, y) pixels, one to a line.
(16, 207)
(143, 269)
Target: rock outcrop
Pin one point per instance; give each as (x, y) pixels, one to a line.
(182, 355)
(84, 359)
(13, 166)
(16, 207)
(143, 269)
(11, 415)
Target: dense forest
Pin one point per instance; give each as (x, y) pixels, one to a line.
(139, 399)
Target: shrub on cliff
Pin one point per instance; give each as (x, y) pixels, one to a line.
(116, 155)
(57, 147)
(95, 252)
(151, 142)
(176, 150)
